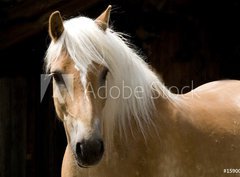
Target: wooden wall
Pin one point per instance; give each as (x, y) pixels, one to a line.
(32, 140)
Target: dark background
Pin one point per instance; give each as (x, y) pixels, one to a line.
(189, 42)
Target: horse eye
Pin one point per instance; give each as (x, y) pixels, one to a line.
(103, 75)
(58, 78)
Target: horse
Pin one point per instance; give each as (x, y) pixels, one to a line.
(121, 120)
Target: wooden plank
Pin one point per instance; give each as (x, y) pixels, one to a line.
(19, 111)
(5, 127)
(13, 114)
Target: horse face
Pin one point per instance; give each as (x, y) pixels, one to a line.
(79, 106)
(78, 97)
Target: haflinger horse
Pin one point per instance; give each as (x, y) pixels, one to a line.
(121, 121)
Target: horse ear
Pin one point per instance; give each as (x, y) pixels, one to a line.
(55, 25)
(103, 19)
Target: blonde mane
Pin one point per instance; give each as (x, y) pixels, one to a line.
(86, 44)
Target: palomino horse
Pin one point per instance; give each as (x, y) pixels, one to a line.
(120, 119)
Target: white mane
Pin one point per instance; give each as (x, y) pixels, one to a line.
(86, 43)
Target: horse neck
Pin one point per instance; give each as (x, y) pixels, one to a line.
(136, 117)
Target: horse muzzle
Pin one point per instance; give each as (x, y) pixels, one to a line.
(89, 152)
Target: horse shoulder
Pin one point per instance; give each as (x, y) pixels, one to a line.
(214, 106)
(207, 121)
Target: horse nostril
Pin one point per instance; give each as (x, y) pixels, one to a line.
(79, 149)
(89, 152)
(101, 147)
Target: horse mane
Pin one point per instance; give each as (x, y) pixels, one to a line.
(86, 43)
